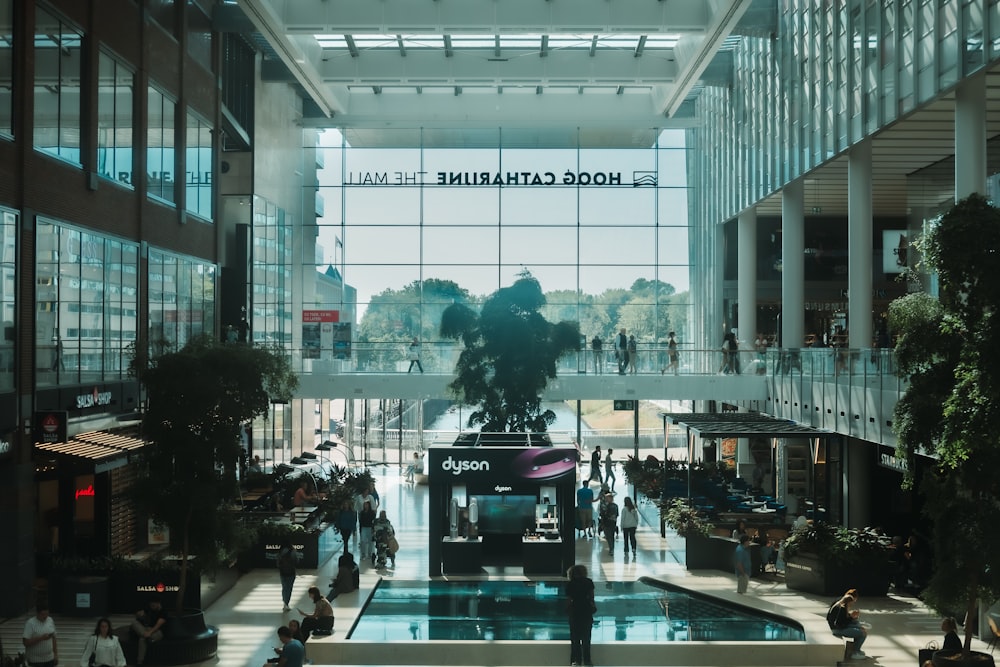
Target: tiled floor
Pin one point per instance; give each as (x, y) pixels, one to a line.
(249, 614)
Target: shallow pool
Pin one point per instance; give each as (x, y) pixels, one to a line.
(643, 611)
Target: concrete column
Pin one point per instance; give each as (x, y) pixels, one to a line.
(746, 293)
(792, 266)
(859, 244)
(970, 137)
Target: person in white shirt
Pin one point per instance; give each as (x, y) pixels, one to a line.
(630, 521)
(103, 645)
(39, 639)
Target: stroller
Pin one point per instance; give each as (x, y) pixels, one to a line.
(383, 534)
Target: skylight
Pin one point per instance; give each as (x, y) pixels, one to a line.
(616, 41)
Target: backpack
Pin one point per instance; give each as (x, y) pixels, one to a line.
(836, 616)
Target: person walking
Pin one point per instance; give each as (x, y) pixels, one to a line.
(347, 521)
(585, 509)
(287, 559)
(633, 355)
(608, 518)
(630, 521)
(103, 648)
(743, 565)
(672, 357)
(621, 351)
(609, 470)
(597, 345)
(413, 354)
(366, 521)
(581, 607)
(39, 638)
(595, 465)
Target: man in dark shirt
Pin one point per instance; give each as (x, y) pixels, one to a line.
(595, 465)
(148, 627)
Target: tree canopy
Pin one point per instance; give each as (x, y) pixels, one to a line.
(510, 354)
(197, 400)
(950, 410)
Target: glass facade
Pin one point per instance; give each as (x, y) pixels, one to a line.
(272, 273)
(182, 296)
(58, 59)
(86, 291)
(115, 91)
(8, 288)
(6, 67)
(605, 231)
(198, 160)
(160, 156)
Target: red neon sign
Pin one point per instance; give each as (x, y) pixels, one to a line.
(85, 493)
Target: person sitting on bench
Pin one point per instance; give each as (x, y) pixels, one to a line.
(320, 620)
(843, 621)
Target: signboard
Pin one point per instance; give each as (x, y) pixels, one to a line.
(886, 458)
(324, 336)
(157, 533)
(895, 250)
(513, 466)
(50, 426)
(624, 405)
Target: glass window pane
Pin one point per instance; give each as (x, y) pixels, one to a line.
(160, 157)
(538, 245)
(383, 245)
(6, 67)
(114, 121)
(198, 166)
(476, 245)
(57, 87)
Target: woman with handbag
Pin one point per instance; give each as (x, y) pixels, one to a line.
(103, 648)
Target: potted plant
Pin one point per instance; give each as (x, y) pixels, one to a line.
(196, 401)
(827, 560)
(947, 347)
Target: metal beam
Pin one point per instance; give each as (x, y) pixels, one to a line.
(270, 27)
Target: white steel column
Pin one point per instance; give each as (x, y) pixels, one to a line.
(746, 293)
(970, 136)
(792, 266)
(859, 244)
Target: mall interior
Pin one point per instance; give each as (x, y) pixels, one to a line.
(330, 175)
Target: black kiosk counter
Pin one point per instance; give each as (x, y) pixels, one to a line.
(497, 503)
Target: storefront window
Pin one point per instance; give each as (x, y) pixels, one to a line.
(114, 121)
(6, 67)
(160, 154)
(86, 313)
(57, 87)
(181, 300)
(198, 156)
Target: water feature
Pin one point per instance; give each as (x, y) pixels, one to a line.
(643, 611)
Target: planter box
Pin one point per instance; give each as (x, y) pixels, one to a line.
(717, 553)
(313, 547)
(809, 573)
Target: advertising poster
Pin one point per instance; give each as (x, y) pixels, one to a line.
(729, 453)
(319, 338)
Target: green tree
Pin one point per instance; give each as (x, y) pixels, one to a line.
(510, 354)
(197, 400)
(951, 408)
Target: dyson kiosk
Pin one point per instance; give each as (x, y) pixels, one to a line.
(504, 500)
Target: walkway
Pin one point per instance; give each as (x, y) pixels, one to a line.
(248, 614)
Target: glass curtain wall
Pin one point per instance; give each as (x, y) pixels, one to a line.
(182, 295)
(6, 68)
(412, 230)
(8, 288)
(87, 293)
